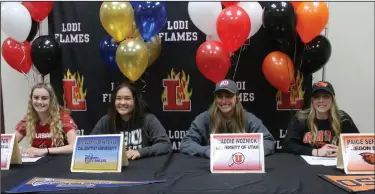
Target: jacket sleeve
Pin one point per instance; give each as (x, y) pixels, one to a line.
(293, 142)
(347, 124)
(158, 137)
(101, 127)
(256, 126)
(192, 142)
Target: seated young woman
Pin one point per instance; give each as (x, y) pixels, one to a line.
(316, 131)
(49, 126)
(128, 114)
(225, 115)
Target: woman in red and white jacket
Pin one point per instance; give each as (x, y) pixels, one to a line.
(49, 126)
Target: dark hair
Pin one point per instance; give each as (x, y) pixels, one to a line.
(139, 110)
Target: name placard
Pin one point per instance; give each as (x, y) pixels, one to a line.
(357, 153)
(98, 153)
(10, 153)
(237, 153)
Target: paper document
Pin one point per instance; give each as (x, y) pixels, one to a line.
(26, 158)
(325, 161)
(30, 159)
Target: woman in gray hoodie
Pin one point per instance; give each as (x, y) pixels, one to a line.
(128, 114)
(226, 115)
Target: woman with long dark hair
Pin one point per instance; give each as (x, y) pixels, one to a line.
(128, 114)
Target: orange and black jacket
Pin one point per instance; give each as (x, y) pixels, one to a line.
(299, 140)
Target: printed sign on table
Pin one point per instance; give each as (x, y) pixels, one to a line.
(351, 184)
(39, 184)
(10, 153)
(237, 153)
(98, 153)
(357, 153)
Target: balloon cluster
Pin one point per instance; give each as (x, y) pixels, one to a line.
(229, 28)
(232, 26)
(20, 21)
(133, 43)
(284, 21)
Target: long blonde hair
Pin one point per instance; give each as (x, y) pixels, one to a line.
(54, 118)
(235, 125)
(335, 117)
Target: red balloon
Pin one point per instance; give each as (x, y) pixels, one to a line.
(279, 70)
(233, 27)
(229, 3)
(213, 60)
(38, 10)
(17, 55)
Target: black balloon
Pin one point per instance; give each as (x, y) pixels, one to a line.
(33, 31)
(280, 20)
(45, 54)
(315, 55)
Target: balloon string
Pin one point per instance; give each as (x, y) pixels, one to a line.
(24, 54)
(238, 60)
(28, 81)
(144, 86)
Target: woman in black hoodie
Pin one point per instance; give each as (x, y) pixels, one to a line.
(316, 131)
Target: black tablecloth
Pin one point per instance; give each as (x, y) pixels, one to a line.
(285, 173)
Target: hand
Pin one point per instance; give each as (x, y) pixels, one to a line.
(36, 152)
(22, 151)
(133, 154)
(328, 150)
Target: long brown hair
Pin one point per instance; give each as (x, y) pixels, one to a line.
(237, 123)
(54, 118)
(335, 117)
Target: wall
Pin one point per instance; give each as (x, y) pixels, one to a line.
(350, 69)
(16, 87)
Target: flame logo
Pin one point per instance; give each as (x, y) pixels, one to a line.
(79, 93)
(295, 96)
(183, 92)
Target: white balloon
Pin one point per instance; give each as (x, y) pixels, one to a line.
(204, 15)
(255, 12)
(15, 21)
(213, 37)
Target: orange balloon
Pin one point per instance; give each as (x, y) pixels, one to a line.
(312, 18)
(296, 4)
(279, 70)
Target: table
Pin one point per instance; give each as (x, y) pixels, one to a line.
(285, 173)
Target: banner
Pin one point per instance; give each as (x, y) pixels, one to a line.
(351, 184)
(39, 184)
(84, 83)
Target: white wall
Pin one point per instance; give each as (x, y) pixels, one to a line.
(16, 88)
(350, 69)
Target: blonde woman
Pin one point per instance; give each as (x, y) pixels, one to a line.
(316, 131)
(50, 128)
(226, 115)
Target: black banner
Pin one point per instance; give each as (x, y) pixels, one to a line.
(84, 83)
